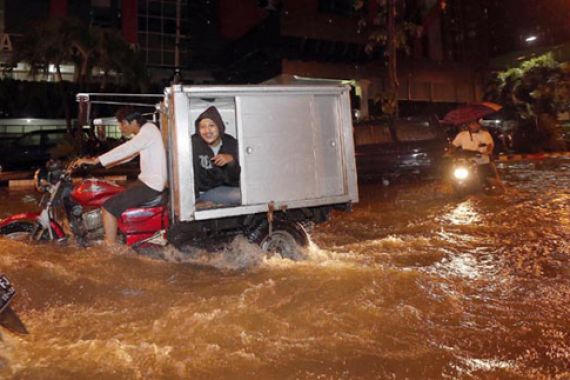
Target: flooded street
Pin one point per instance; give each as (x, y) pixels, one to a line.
(411, 284)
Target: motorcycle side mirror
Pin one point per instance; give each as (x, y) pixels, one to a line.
(41, 183)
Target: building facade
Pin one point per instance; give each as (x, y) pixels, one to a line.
(320, 39)
(148, 25)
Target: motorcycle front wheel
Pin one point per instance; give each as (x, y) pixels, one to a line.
(24, 231)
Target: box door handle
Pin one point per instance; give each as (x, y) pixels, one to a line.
(249, 150)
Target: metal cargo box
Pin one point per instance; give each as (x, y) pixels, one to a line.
(296, 146)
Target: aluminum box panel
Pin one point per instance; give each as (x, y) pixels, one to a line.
(295, 143)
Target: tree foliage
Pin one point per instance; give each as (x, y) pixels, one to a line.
(390, 28)
(539, 85)
(407, 25)
(538, 90)
(65, 40)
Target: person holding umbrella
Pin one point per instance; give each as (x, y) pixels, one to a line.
(476, 139)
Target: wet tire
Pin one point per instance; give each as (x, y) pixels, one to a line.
(493, 187)
(459, 192)
(285, 240)
(22, 231)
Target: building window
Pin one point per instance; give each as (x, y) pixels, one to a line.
(1, 16)
(157, 31)
(344, 7)
(101, 3)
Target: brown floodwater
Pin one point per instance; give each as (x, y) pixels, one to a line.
(411, 284)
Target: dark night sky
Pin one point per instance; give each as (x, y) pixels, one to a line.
(513, 20)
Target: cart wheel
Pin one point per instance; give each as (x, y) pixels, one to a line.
(285, 239)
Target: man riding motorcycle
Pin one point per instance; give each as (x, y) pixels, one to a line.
(147, 143)
(476, 139)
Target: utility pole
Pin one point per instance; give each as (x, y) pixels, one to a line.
(2, 7)
(177, 76)
(393, 83)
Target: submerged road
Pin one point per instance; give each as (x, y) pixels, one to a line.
(411, 284)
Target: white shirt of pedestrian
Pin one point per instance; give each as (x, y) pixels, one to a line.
(148, 144)
(472, 141)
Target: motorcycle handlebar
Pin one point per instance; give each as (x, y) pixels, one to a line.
(466, 153)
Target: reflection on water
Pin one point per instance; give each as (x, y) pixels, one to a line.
(463, 214)
(412, 284)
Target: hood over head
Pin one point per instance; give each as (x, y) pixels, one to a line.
(212, 114)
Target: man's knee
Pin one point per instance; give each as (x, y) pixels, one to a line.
(107, 213)
(113, 207)
(223, 194)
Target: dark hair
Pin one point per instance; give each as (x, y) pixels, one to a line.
(129, 114)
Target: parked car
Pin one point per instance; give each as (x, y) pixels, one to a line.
(6, 142)
(408, 146)
(31, 150)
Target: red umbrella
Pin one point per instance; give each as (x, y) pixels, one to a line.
(471, 112)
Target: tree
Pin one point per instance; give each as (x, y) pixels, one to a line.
(538, 89)
(113, 55)
(61, 40)
(65, 40)
(390, 28)
(51, 43)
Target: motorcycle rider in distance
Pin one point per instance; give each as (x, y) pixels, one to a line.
(476, 139)
(147, 142)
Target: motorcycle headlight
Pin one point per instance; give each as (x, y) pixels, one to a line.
(461, 173)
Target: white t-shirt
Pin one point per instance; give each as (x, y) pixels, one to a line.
(216, 149)
(471, 141)
(148, 144)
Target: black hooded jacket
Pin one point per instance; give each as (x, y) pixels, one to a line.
(206, 174)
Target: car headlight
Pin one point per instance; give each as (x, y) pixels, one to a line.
(461, 173)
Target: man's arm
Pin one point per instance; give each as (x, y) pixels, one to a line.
(126, 150)
(87, 161)
(452, 148)
(223, 159)
(231, 167)
(233, 171)
(456, 143)
(490, 144)
(488, 149)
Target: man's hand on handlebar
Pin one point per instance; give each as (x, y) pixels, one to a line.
(86, 161)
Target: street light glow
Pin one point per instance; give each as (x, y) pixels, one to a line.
(531, 38)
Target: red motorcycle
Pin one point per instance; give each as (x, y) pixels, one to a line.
(80, 205)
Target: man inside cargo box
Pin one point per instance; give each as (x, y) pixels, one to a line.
(216, 166)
